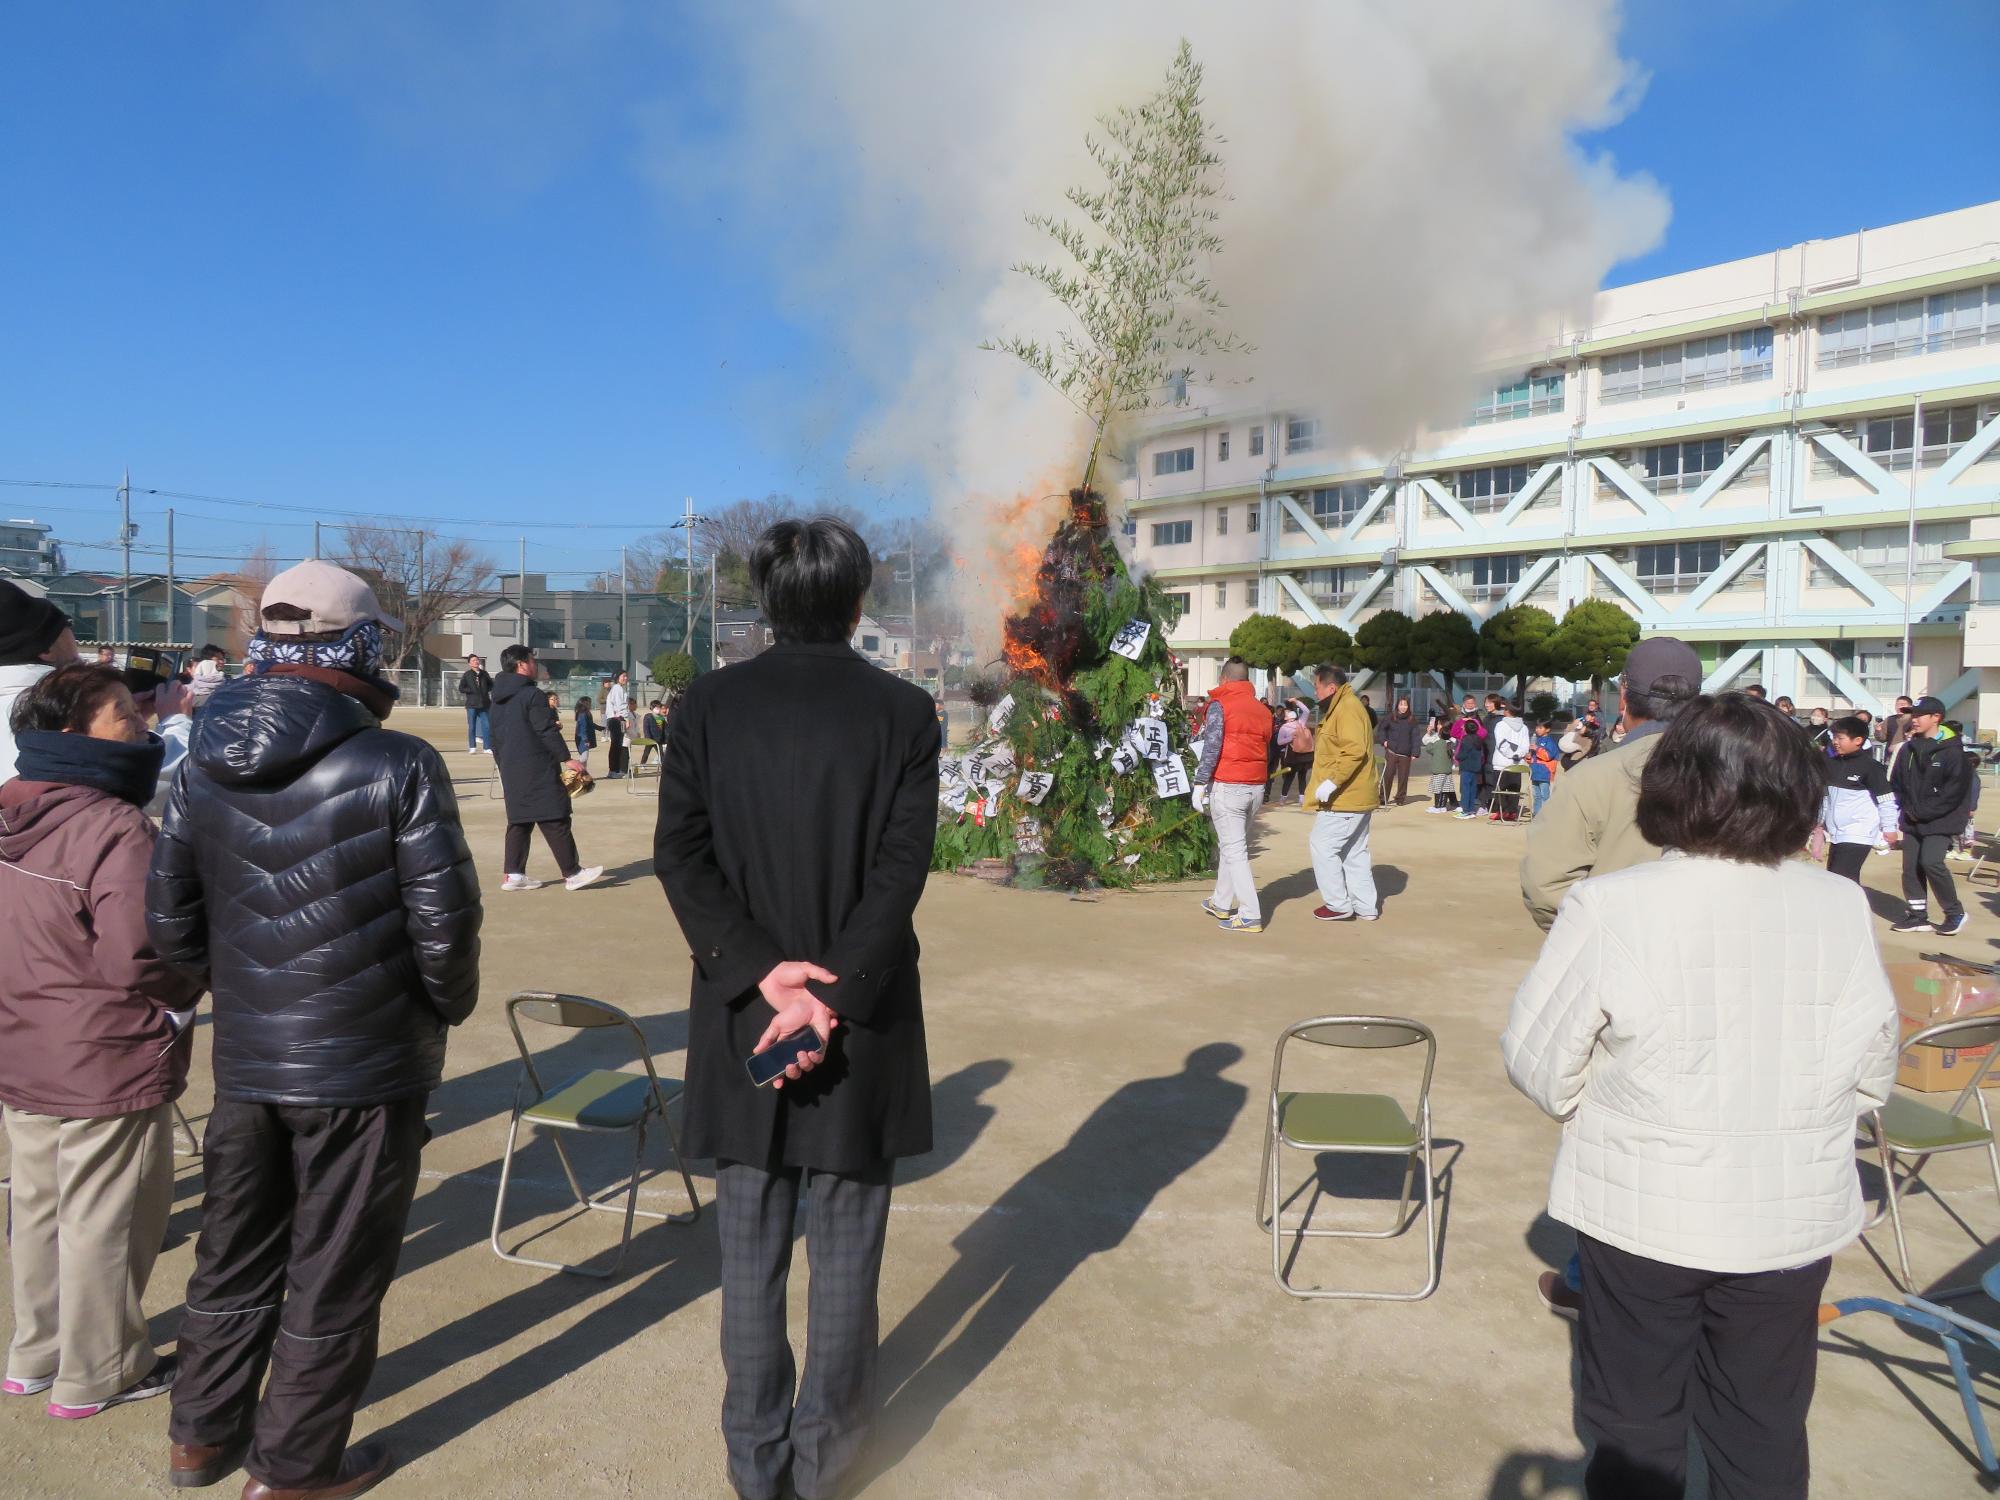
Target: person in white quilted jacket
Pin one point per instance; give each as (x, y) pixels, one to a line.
(1707, 1028)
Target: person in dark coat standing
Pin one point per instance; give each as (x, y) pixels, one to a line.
(311, 873)
(475, 690)
(528, 748)
(1933, 780)
(797, 810)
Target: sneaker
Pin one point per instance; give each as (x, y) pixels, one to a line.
(588, 876)
(1958, 854)
(1465, 816)
(158, 1383)
(1241, 923)
(1951, 926)
(521, 883)
(1883, 849)
(33, 1386)
(1557, 1297)
(1328, 914)
(486, 750)
(1368, 916)
(1220, 913)
(1916, 921)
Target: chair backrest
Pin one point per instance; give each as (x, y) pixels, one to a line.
(1966, 1031)
(1376, 1033)
(571, 1013)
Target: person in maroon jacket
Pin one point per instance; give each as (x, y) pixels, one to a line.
(93, 1045)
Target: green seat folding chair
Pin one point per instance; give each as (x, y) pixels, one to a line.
(639, 770)
(1359, 1124)
(602, 1102)
(1905, 1128)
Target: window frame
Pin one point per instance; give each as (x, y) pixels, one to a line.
(1173, 533)
(1301, 434)
(1735, 357)
(1169, 462)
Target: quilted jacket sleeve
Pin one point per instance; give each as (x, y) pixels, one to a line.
(1553, 1026)
(1868, 991)
(441, 909)
(176, 906)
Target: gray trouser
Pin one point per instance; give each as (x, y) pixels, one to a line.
(1341, 864)
(818, 1431)
(1232, 807)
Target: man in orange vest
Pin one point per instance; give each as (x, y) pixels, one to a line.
(1229, 783)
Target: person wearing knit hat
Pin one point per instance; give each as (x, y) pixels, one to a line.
(35, 639)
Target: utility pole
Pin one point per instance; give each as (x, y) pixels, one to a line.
(125, 541)
(1910, 539)
(687, 580)
(521, 588)
(713, 633)
(168, 638)
(913, 611)
(624, 640)
(315, 541)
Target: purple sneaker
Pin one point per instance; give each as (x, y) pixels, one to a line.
(31, 1387)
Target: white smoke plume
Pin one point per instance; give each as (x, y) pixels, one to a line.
(1407, 195)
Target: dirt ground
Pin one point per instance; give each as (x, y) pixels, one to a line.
(1077, 1300)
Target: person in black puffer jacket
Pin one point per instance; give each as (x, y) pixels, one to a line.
(312, 873)
(1933, 780)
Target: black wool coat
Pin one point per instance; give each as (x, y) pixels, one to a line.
(529, 750)
(798, 805)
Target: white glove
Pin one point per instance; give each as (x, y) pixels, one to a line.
(1325, 792)
(1201, 799)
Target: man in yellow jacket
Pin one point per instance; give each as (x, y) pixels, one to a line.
(1343, 783)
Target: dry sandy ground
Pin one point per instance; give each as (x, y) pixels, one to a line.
(1077, 1301)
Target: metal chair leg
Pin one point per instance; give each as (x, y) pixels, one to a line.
(1975, 1418)
(181, 1127)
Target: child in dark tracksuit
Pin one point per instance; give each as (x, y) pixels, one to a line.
(1471, 765)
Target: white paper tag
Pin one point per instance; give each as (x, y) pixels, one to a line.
(1123, 759)
(1002, 712)
(1131, 639)
(1150, 736)
(1034, 787)
(1170, 777)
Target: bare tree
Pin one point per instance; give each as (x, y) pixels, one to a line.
(247, 584)
(419, 576)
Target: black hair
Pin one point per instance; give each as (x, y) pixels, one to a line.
(583, 702)
(67, 698)
(1734, 778)
(811, 576)
(1327, 672)
(514, 655)
(211, 653)
(1853, 726)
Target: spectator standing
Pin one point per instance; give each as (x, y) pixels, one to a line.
(311, 873)
(1858, 809)
(1785, 706)
(529, 753)
(586, 731)
(1402, 739)
(171, 706)
(618, 724)
(1707, 1155)
(93, 1045)
(1296, 739)
(1343, 777)
(1436, 759)
(797, 812)
(106, 657)
(1893, 730)
(35, 639)
(1470, 757)
(1933, 780)
(1545, 758)
(1229, 782)
(1513, 747)
(1819, 730)
(475, 690)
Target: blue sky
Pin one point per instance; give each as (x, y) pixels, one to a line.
(251, 257)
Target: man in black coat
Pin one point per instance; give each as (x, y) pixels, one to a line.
(529, 751)
(797, 810)
(311, 873)
(475, 690)
(1933, 781)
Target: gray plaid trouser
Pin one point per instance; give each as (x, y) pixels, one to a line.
(819, 1433)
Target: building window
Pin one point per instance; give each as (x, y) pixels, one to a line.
(1222, 593)
(502, 630)
(1128, 526)
(1536, 392)
(597, 630)
(1301, 434)
(1680, 567)
(1887, 439)
(1178, 606)
(1222, 447)
(1672, 467)
(1696, 365)
(1914, 325)
(1326, 586)
(1172, 533)
(1332, 506)
(1250, 593)
(1880, 553)
(1173, 461)
(1256, 442)
(1253, 518)
(871, 643)
(1488, 577)
(1222, 520)
(1483, 491)
(152, 614)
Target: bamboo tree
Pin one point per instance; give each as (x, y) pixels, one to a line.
(1134, 282)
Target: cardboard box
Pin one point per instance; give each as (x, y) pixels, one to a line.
(1927, 993)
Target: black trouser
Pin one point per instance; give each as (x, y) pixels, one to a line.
(1848, 859)
(303, 1213)
(616, 727)
(1396, 777)
(1664, 1347)
(1923, 864)
(1297, 769)
(561, 842)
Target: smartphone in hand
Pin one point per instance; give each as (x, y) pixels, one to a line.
(769, 1065)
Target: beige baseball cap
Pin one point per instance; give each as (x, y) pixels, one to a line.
(331, 598)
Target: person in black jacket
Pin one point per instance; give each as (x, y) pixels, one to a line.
(798, 805)
(529, 750)
(311, 873)
(1402, 740)
(475, 689)
(1932, 778)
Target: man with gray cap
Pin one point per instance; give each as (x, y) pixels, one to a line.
(1590, 825)
(35, 639)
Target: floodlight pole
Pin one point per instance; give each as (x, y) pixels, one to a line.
(1910, 538)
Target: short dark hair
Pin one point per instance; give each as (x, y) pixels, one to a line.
(1327, 672)
(514, 655)
(1734, 778)
(211, 653)
(811, 577)
(1853, 726)
(1755, 690)
(67, 698)
(1663, 698)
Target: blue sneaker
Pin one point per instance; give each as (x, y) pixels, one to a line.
(1221, 914)
(1241, 923)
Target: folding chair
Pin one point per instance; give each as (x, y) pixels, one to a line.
(1362, 1124)
(636, 770)
(1903, 1127)
(601, 1102)
(181, 1127)
(1510, 784)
